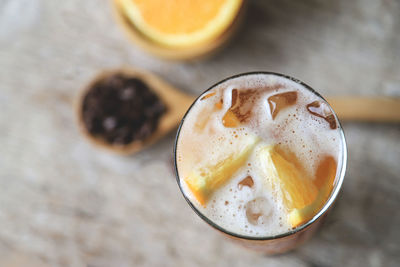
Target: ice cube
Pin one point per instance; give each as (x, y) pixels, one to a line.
(203, 118)
(219, 104)
(241, 107)
(248, 181)
(235, 94)
(230, 120)
(322, 110)
(281, 101)
(207, 113)
(258, 211)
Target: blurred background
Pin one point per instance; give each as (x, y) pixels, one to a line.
(65, 203)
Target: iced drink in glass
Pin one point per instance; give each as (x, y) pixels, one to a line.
(261, 158)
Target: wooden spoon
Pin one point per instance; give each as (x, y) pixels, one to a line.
(374, 109)
(177, 103)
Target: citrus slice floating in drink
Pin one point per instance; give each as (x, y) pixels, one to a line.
(302, 197)
(324, 181)
(287, 175)
(181, 23)
(204, 181)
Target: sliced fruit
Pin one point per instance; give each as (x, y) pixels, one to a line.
(286, 174)
(298, 217)
(302, 196)
(204, 181)
(326, 173)
(324, 181)
(179, 23)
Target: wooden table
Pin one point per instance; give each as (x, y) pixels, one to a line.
(65, 203)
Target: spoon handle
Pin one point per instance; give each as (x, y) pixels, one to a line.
(376, 109)
(356, 108)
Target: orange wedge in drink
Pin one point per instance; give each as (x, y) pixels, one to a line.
(302, 196)
(285, 173)
(204, 181)
(181, 23)
(324, 181)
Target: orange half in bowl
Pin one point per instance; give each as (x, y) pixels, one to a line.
(179, 29)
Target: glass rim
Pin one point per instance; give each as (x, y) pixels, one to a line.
(327, 204)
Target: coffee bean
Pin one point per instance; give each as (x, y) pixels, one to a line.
(121, 110)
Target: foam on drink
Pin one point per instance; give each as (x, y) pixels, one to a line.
(232, 135)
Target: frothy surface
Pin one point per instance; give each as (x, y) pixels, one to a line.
(246, 205)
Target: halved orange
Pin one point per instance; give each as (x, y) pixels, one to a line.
(181, 23)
